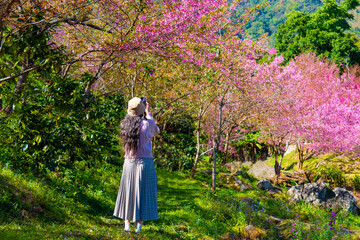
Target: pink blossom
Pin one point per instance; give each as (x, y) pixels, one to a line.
(272, 51)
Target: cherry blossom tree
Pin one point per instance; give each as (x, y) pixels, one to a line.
(317, 109)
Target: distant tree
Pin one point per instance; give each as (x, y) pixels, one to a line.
(323, 32)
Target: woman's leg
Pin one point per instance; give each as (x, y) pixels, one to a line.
(139, 225)
(127, 225)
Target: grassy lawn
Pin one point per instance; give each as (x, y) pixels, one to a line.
(79, 205)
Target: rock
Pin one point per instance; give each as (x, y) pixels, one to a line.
(275, 220)
(230, 236)
(274, 190)
(261, 170)
(313, 191)
(295, 192)
(308, 192)
(232, 166)
(267, 186)
(241, 186)
(346, 200)
(239, 172)
(264, 184)
(251, 233)
(318, 194)
(237, 183)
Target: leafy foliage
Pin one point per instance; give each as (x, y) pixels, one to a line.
(250, 148)
(54, 127)
(323, 32)
(274, 13)
(332, 175)
(175, 149)
(30, 44)
(355, 182)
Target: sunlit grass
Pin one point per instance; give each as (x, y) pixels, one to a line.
(346, 163)
(53, 207)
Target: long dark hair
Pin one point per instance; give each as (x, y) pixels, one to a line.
(130, 132)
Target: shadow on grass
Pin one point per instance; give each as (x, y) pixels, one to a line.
(82, 235)
(17, 203)
(81, 192)
(172, 187)
(96, 207)
(179, 209)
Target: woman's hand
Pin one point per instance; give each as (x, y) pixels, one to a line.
(147, 108)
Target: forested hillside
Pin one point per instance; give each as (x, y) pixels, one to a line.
(274, 13)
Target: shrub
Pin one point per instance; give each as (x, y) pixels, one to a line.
(356, 182)
(332, 175)
(175, 148)
(54, 127)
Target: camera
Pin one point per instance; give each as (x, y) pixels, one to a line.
(143, 99)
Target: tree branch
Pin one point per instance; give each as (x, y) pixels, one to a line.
(19, 74)
(74, 21)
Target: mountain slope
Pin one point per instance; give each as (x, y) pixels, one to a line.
(269, 18)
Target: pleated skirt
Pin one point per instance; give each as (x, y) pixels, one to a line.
(137, 196)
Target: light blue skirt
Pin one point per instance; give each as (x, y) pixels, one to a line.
(137, 197)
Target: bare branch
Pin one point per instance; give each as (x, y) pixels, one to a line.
(75, 21)
(81, 56)
(19, 74)
(128, 85)
(210, 149)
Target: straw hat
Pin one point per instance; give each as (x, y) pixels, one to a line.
(135, 107)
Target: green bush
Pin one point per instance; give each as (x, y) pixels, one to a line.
(54, 127)
(356, 182)
(175, 148)
(332, 175)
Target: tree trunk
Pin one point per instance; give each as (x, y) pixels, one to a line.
(87, 92)
(301, 156)
(197, 150)
(254, 152)
(281, 159)
(245, 153)
(18, 88)
(216, 145)
(214, 166)
(277, 168)
(300, 163)
(88, 88)
(227, 137)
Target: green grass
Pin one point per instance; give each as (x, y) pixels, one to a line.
(348, 164)
(289, 162)
(79, 204)
(337, 169)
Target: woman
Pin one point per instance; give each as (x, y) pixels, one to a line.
(137, 197)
